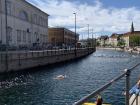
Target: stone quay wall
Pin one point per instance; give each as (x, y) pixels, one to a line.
(21, 60)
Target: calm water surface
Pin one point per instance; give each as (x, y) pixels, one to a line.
(82, 77)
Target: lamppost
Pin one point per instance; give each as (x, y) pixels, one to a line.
(7, 43)
(92, 38)
(75, 34)
(88, 37)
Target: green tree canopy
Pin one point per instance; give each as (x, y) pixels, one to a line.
(134, 40)
(121, 43)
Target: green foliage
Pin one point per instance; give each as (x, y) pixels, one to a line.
(135, 40)
(98, 43)
(121, 43)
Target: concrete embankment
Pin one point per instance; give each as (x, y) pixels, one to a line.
(130, 50)
(108, 48)
(16, 61)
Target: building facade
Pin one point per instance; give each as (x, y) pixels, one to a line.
(62, 37)
(25, 25)
(113, 40)
(132, 38)
(103, 40)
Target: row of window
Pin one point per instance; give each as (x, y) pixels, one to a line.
(24, 36)
(71, 34)
(39, 20)
(36, 19)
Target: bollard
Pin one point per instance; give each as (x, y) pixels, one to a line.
(137, 101)
(6, 62)
(127, 86)
(19, 63)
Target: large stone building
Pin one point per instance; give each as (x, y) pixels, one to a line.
(62, 37)
(26, 24)
(132, 38)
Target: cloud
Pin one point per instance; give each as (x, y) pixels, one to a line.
(101, 19)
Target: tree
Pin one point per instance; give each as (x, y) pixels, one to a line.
(134, 40)
(98, 43)
(121, 43)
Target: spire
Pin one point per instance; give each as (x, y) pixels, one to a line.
(132, 28)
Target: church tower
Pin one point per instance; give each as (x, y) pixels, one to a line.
(132, 28)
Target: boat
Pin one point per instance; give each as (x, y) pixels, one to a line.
(98, 102)
(94, 104)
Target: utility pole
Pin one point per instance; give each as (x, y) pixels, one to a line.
(7, 42)
(75, 35)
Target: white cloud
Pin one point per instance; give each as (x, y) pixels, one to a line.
(100, 18)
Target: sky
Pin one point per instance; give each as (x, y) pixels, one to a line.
(103, 16)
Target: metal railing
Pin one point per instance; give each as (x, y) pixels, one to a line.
(17, 58)
(135, 100)
(30, 54)
(126, 74)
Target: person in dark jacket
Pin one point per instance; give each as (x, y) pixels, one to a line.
(99, 100)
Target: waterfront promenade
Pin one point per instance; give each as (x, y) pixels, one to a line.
(16, 61)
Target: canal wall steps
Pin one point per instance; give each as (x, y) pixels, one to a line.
(16, 61)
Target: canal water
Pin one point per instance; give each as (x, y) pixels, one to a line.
(81, 78)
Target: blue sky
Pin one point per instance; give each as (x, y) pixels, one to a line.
(103, 16)
(121, 3)
(113, 3)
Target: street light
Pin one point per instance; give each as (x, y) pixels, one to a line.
(75, 34)
(92, 38)
(88, 37)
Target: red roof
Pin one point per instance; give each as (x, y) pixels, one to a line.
(131, 33)
(135, 32)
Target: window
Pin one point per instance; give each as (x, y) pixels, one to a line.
(34, 18)
(18, 35)
(44, 38)
(41, 39)
(36, 36)
(23, 15)
(29, 37)
(9, 33)
(53, 40)
(24, 36)
(9, 7)
(65, 33)
(40, 20)
(46, 22)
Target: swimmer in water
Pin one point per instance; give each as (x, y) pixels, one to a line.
(60, 77)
